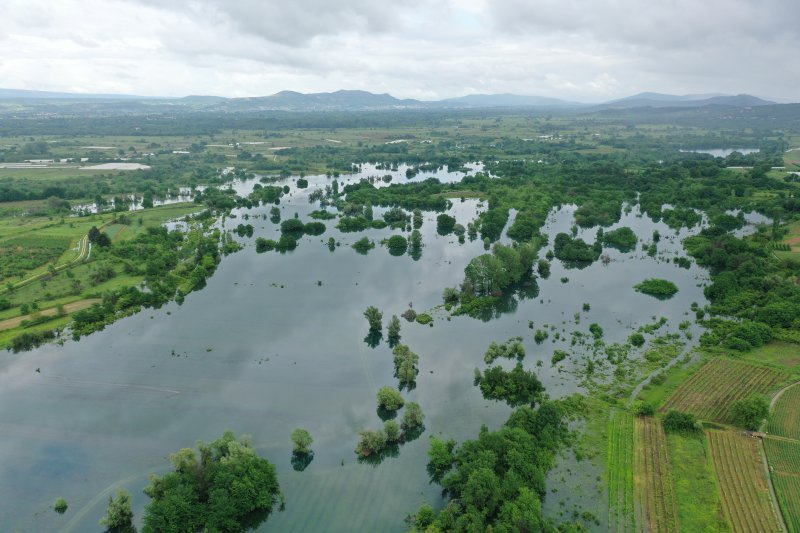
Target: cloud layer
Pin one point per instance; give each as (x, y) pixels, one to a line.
(575, 49)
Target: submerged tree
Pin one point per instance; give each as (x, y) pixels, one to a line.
(374, 318)
(393, 330)
(119, 514)
(224, 487)
(302, 440)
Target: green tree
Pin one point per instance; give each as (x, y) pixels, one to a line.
(393, 329)
(221, 488)
(302, 440)
(374, 318)
(390, 398)
(371, 442)
(750, 412)
(119, 514)
(413, 417)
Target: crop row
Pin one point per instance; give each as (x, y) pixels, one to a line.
(710, 393)
(658, 510)
(619, 471)
(785, 417)
(784, 465)
(743, 482)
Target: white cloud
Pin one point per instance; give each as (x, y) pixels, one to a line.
(574, 49)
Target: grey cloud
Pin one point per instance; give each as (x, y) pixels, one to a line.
(656, 23)
(296, 22)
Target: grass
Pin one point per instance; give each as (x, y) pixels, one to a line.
(699, 501)
(656, 394)
(711, 391)
(784, 463)
(655, 494)
(743, 482)
(619, 471)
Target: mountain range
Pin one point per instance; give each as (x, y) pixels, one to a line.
(362, 100)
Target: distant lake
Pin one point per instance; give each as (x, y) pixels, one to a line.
(723, 152)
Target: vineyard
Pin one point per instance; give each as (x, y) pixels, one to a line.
(710, 393)
(619, 471)
(657, 510)
(784, 463)
(743, 482)
(785, 417)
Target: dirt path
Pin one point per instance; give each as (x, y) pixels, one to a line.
(68, 308)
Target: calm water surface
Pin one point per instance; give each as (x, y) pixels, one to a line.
(263, 349)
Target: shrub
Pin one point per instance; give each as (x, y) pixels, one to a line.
(445, 224)
(677, 422)
(413, 417)
(642, 408)
(397, 245)
(424, 318)
(302, 440)
(60, 506)
(371, 442)
(660, 288)
(293, 225)
(314, 228)
(636, 339)
(363, 245)
(390, 399)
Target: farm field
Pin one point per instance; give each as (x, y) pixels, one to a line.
(784, 463)
(743, 482)
(784, 419)
(619, 471)
(712, 390)
(657, 508)
(696, 487)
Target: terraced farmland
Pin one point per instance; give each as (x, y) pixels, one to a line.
(784, 419)
(784, 463)
(710, 393)
(657, 509)
(743, 482)
(619, 471)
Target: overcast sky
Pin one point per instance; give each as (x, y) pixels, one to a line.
(573, 49)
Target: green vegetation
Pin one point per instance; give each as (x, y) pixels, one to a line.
(677, 422)
(784, 461)
(374, 319)
(696, 488)
(363, 245)
(497, 480)
(711, 392)
(405, 369)
(660, 288)
(516, 387)
(226, 487)
(397, 245)
(575, 251)
(623, 239)
(619, 470)
(390, 399)
(750, 412)
(60, 506)
(445, 224)
(511, 349)
(119, 513)
(302, 440)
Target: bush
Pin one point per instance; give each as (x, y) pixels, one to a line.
(636, 339)
(302, 439)
(371, 442)
(60, 506)
(750, 412)
(293, 225)
(511, 349)
(363, 245)
(397, 245)
(265, 245)
(424, 318)
(623, 239)
(413, 417)
(390, 399)
(677, 422)
(642, 408)
(445, 224)
(314, 228)
(660, 288)
(119, 514)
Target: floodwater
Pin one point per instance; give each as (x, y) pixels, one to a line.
(724, 152)
(265, 348)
